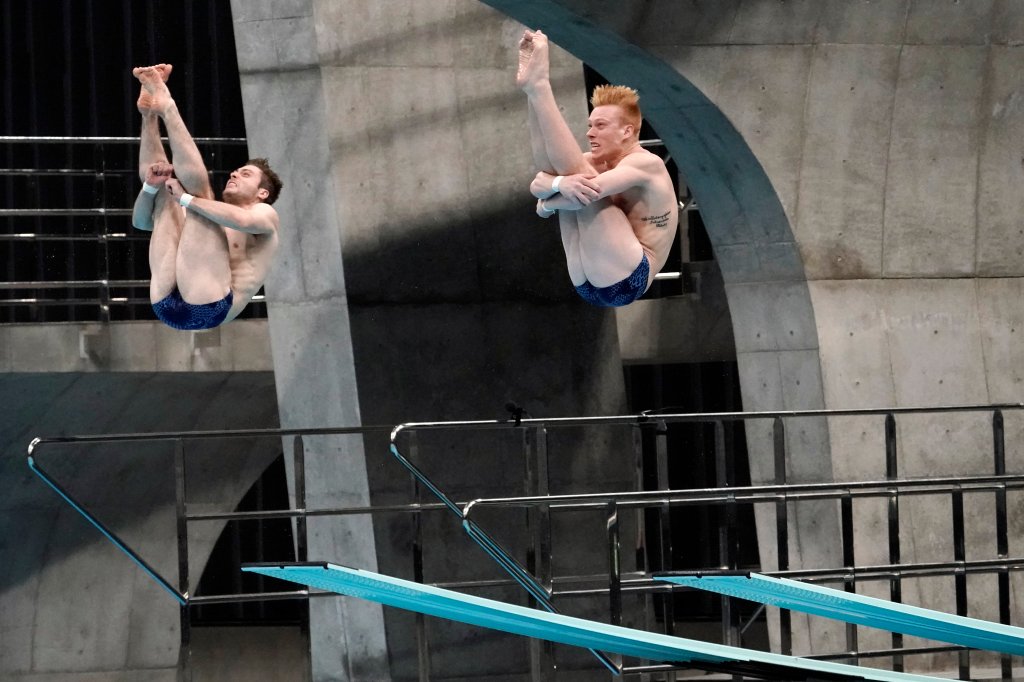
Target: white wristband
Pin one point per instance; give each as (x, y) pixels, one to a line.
(149, 189)
(554, 183)
(185, 200)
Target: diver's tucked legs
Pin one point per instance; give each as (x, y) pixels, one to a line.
(167, 220)
(600, 245)
(203, 261)
(151, 149)
(538, 149)
(609, 249)
(197, 248)
(586, 240)
(163, 247)
(188, 162)
(561, 148)
(570, 232)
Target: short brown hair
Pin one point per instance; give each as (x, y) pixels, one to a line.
(269, 181)
(621, 96)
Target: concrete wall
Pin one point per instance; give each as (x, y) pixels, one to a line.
(71, 606)
(243, 346)
(891, 132)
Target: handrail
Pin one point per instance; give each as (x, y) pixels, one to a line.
(137, 300)
(62, 139)
(202, 435)
(76, 284)
(780, 496)
(779, 493)
(49, 237)
(625, 420)
(181, 597)
(72, 301)
(68, 172)
(680, 417)
(62, 212)
(791, 491)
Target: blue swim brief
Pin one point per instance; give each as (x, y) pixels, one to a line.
(620, 293)
(175, 312)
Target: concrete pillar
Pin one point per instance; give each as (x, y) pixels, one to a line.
(286, 121)
(415, 281)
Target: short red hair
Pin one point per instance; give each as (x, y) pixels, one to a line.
(621, 96)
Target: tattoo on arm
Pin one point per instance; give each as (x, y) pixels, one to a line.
(658, 220)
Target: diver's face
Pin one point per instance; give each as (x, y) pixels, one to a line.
(607, 131)
(243, 185)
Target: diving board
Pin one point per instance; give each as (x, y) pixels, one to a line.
(435, 601)
(861, 610)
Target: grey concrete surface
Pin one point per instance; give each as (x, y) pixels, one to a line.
(241, 654)
(71, 605)
(933, 144)
(843, 170)
(148, 346)
(279, 65)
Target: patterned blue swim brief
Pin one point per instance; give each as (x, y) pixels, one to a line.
(175, 312)
(620, 293)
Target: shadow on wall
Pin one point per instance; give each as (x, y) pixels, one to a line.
(501, 252)
(129, 486)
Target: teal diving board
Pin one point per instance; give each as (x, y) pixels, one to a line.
(435, 601)
(861, 610)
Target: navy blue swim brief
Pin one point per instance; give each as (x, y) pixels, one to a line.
(175, 312)
(620, 293)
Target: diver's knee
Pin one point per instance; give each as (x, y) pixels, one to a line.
(194, 181)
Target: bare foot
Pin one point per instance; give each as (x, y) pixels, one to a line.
(154, 98)
(533, 60)
(164, 70)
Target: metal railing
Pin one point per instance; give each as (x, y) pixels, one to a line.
(535, 573)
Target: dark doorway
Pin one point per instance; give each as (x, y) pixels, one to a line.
(247, 542)
(691, 462)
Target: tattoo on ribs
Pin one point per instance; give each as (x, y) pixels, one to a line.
(658, 220)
